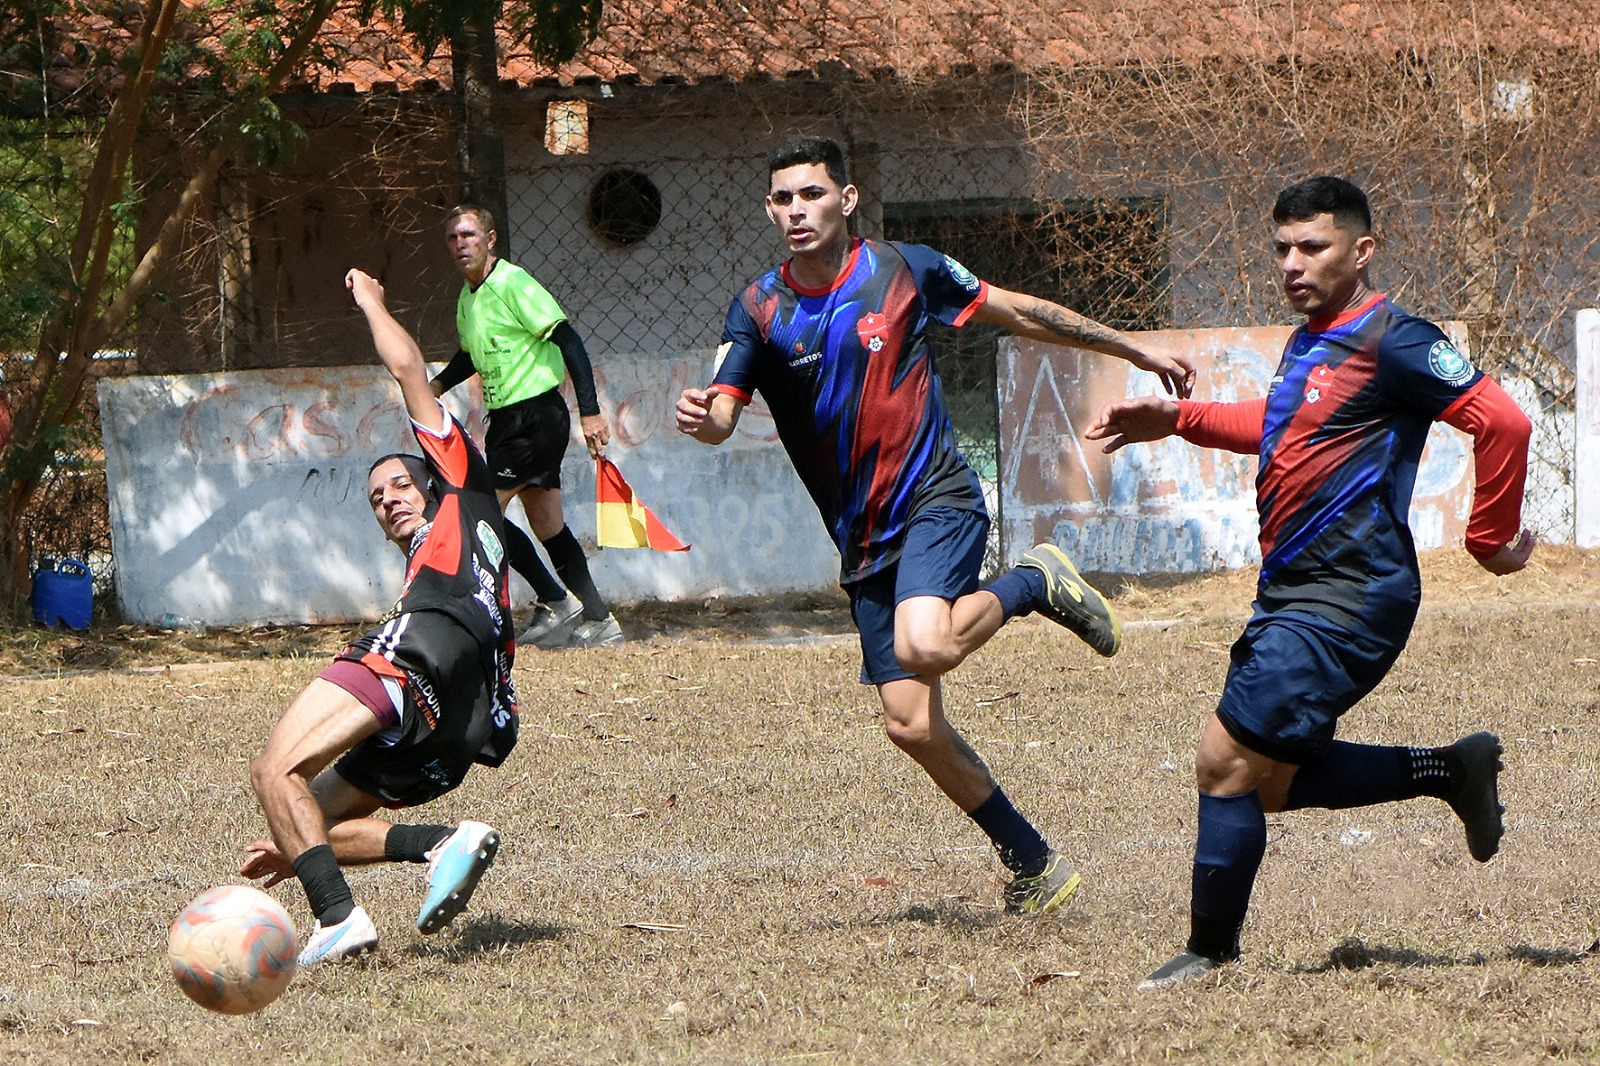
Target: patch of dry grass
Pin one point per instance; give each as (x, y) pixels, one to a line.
(712, 855)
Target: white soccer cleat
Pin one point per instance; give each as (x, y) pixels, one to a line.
(356, 935)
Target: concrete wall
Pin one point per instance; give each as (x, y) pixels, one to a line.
(240, 498)
(1166, 507)
(1586, 457)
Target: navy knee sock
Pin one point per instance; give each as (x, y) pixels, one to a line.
(1359, 775)
(326, 889)
(566, 555)
(524, 559)
(1018, 589)
(1227, 853)
(1022, 849)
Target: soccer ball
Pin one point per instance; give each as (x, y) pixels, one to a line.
(233, 949)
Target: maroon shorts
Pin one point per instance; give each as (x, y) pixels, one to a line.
(365, 686)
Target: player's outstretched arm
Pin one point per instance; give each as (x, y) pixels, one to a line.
(708, 415)
(1041, 320)
(398, 350)
(1144, 418)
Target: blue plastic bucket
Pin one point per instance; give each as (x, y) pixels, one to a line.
(63, 592)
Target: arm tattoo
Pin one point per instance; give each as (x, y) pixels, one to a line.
(1071, 327)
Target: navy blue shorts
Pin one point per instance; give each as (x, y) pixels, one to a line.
(1292, 674)
(942, 556)
(526, 441)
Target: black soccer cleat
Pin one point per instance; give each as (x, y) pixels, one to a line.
(1474, 764)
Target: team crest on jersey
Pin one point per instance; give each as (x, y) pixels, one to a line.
(491, 544)
(873, 330)
(963, 276)
(1318, 381)
(1447, 364)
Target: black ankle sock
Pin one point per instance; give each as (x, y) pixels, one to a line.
(326, 889)
(566, 555)
(411, 843)
(1426, 770)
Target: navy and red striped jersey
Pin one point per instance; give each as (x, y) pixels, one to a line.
(1343, 429)
(849, 377)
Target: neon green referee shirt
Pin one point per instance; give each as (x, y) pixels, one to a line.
(505, 324)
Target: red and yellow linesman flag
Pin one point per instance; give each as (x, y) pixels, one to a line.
(621, 521)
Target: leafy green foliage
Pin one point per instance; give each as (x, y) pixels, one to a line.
(41, 180)
(553, 30)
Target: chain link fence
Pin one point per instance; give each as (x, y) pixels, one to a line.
(1135, 195)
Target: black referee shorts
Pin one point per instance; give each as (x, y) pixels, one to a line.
(527, 440)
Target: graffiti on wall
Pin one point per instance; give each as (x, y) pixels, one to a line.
(240, 497)
(1167, 506)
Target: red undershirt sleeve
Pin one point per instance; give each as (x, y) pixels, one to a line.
(1500, 434)
(1233, 426)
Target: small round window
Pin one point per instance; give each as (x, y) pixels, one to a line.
(624, 206)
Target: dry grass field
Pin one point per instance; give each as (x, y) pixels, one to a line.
(713, 855)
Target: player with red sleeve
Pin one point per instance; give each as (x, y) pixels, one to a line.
(1340, 434)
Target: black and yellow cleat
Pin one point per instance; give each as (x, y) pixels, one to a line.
(1044, 891)
(1072, 601)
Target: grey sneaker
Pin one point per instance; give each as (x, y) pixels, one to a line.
(1184, 967)
(1044, 891)
(1072, 601)
(1474, 795)
(599, 633)
(552, 622)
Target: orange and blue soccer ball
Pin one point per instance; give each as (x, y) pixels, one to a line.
(233, 949)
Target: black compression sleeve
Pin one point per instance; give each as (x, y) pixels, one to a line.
(456, 371)
(579, 369)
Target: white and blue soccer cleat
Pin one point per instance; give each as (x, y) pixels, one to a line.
(356, 935)
(454, 868)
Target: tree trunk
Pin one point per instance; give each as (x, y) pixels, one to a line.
(83, 319)
(480, 148)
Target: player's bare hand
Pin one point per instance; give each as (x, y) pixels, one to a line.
(263, 859)
(1175, 370)
(1512, 557)
(694, 407)
(364, 287)
(596, 434)
(1144, 418)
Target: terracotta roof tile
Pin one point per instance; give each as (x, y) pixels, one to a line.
(645, 42)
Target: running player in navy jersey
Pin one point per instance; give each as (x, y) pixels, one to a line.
(405, 711)
(835, 340)
(1339, 433)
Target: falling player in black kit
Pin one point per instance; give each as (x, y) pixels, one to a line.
(409, 706)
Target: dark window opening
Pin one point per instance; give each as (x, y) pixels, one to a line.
(624, 206)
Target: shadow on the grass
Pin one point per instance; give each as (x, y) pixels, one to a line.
(945, 914)
(1547, 956)
(488, 934)
(1353, 953)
